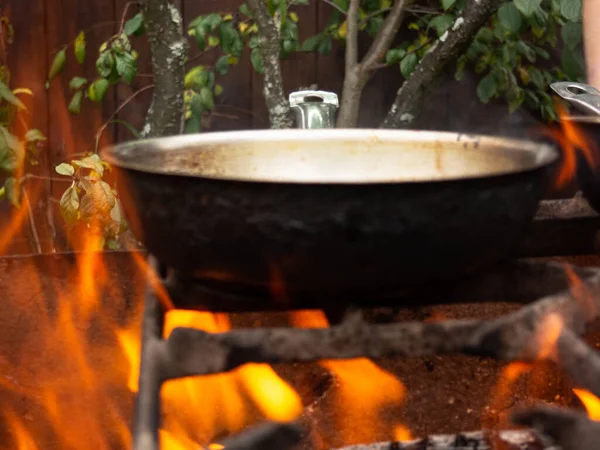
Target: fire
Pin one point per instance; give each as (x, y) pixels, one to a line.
(572, 140)
(363, 392)
(591, 403)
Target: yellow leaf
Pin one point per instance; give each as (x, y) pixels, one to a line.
(385, 4)
(231, 60)
(213, 41)
(227, 17)
(243, 26)
(343, 29)
(22, 91)
(524, 74)
(294, 17)
(413, 26)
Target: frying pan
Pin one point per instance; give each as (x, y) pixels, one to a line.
(337, 213)
(586, 99)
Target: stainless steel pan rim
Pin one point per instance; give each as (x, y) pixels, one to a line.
(289, 150)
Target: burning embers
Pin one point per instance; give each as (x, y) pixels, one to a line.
(77, 364)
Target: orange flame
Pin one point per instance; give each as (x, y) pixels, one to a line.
(590, 402)
(363, 392)
(572, 140)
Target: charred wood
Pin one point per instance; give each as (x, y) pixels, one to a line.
(477, 440)
(269, 436)
(568, 429)
(517, 336)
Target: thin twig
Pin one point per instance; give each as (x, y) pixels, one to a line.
(124, 16)
(386, 35)
(410, 9)
(119, 109)
(243, 110)
(32, 227)
(333, 5)
(202, 53)
(45, 178)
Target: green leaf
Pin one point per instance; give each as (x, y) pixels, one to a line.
(79, 47)
(69, 206)
(65, 169)
(9, 96)
(126, 66)
(105, 64)
(222, 65)
(572, 63)
(134, 25)
(228, 36)
(77, 83)
(34, 135)
(395, 55)
(193, 77)
(75, 103)
(408, 64)
(246, 11)
(325, 45)
(311, 44)
(441, 23)
(207, 98)
(510, 17)
(192, 125)
(256, 59)
(98, 89)
(197, 105)
(194, 23)
(572, 34)
(12, 191)
(526, 51)
(200, 35)
(541, 52)
(92, 162)
(447, 4)
(218, 90)
(571, 10)
(486, 88)
(527, 7)
(212, 21)
(58, 63)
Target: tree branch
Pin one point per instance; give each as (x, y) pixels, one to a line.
(358, 74)
(446, 49)
(386, 35)
(268, 45)
(169, 50)
(352, 36)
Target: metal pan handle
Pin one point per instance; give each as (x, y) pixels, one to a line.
(584, 97)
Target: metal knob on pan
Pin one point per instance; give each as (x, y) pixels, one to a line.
(586, 99)
(314, 109)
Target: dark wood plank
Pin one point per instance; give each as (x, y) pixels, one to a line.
(233, 109)
(27, 62)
